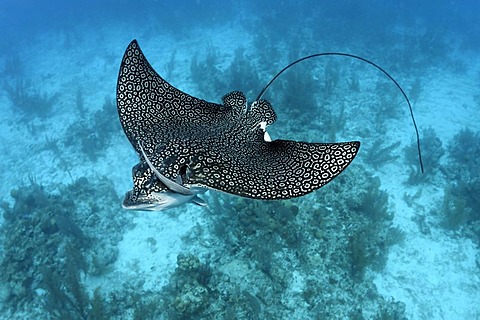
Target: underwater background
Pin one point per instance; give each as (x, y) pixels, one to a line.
(381, 241)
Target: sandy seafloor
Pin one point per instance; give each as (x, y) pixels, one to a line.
(436, 275)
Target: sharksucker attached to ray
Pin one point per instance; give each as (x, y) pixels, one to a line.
(187, 145)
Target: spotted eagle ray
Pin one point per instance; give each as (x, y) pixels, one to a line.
(187, 145)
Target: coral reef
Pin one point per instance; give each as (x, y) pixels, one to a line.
(242, 75)
(455, 213)
(50, 243)
(380, 155)
(333, 245)
(189, 288)
(212, 80)
(91, 135)
(459, 209)
(263, 242)
(65, 296)
(364, 208)
(28, 100)
(432, 152)
(207, 76)
(464, 154)
(296, 90)
(389, 102)
(191, 299)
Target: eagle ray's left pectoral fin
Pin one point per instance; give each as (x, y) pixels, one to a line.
(171, 185)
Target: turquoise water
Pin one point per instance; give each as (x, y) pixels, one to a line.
(381, 241)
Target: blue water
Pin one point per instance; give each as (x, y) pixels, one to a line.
(381, 241)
